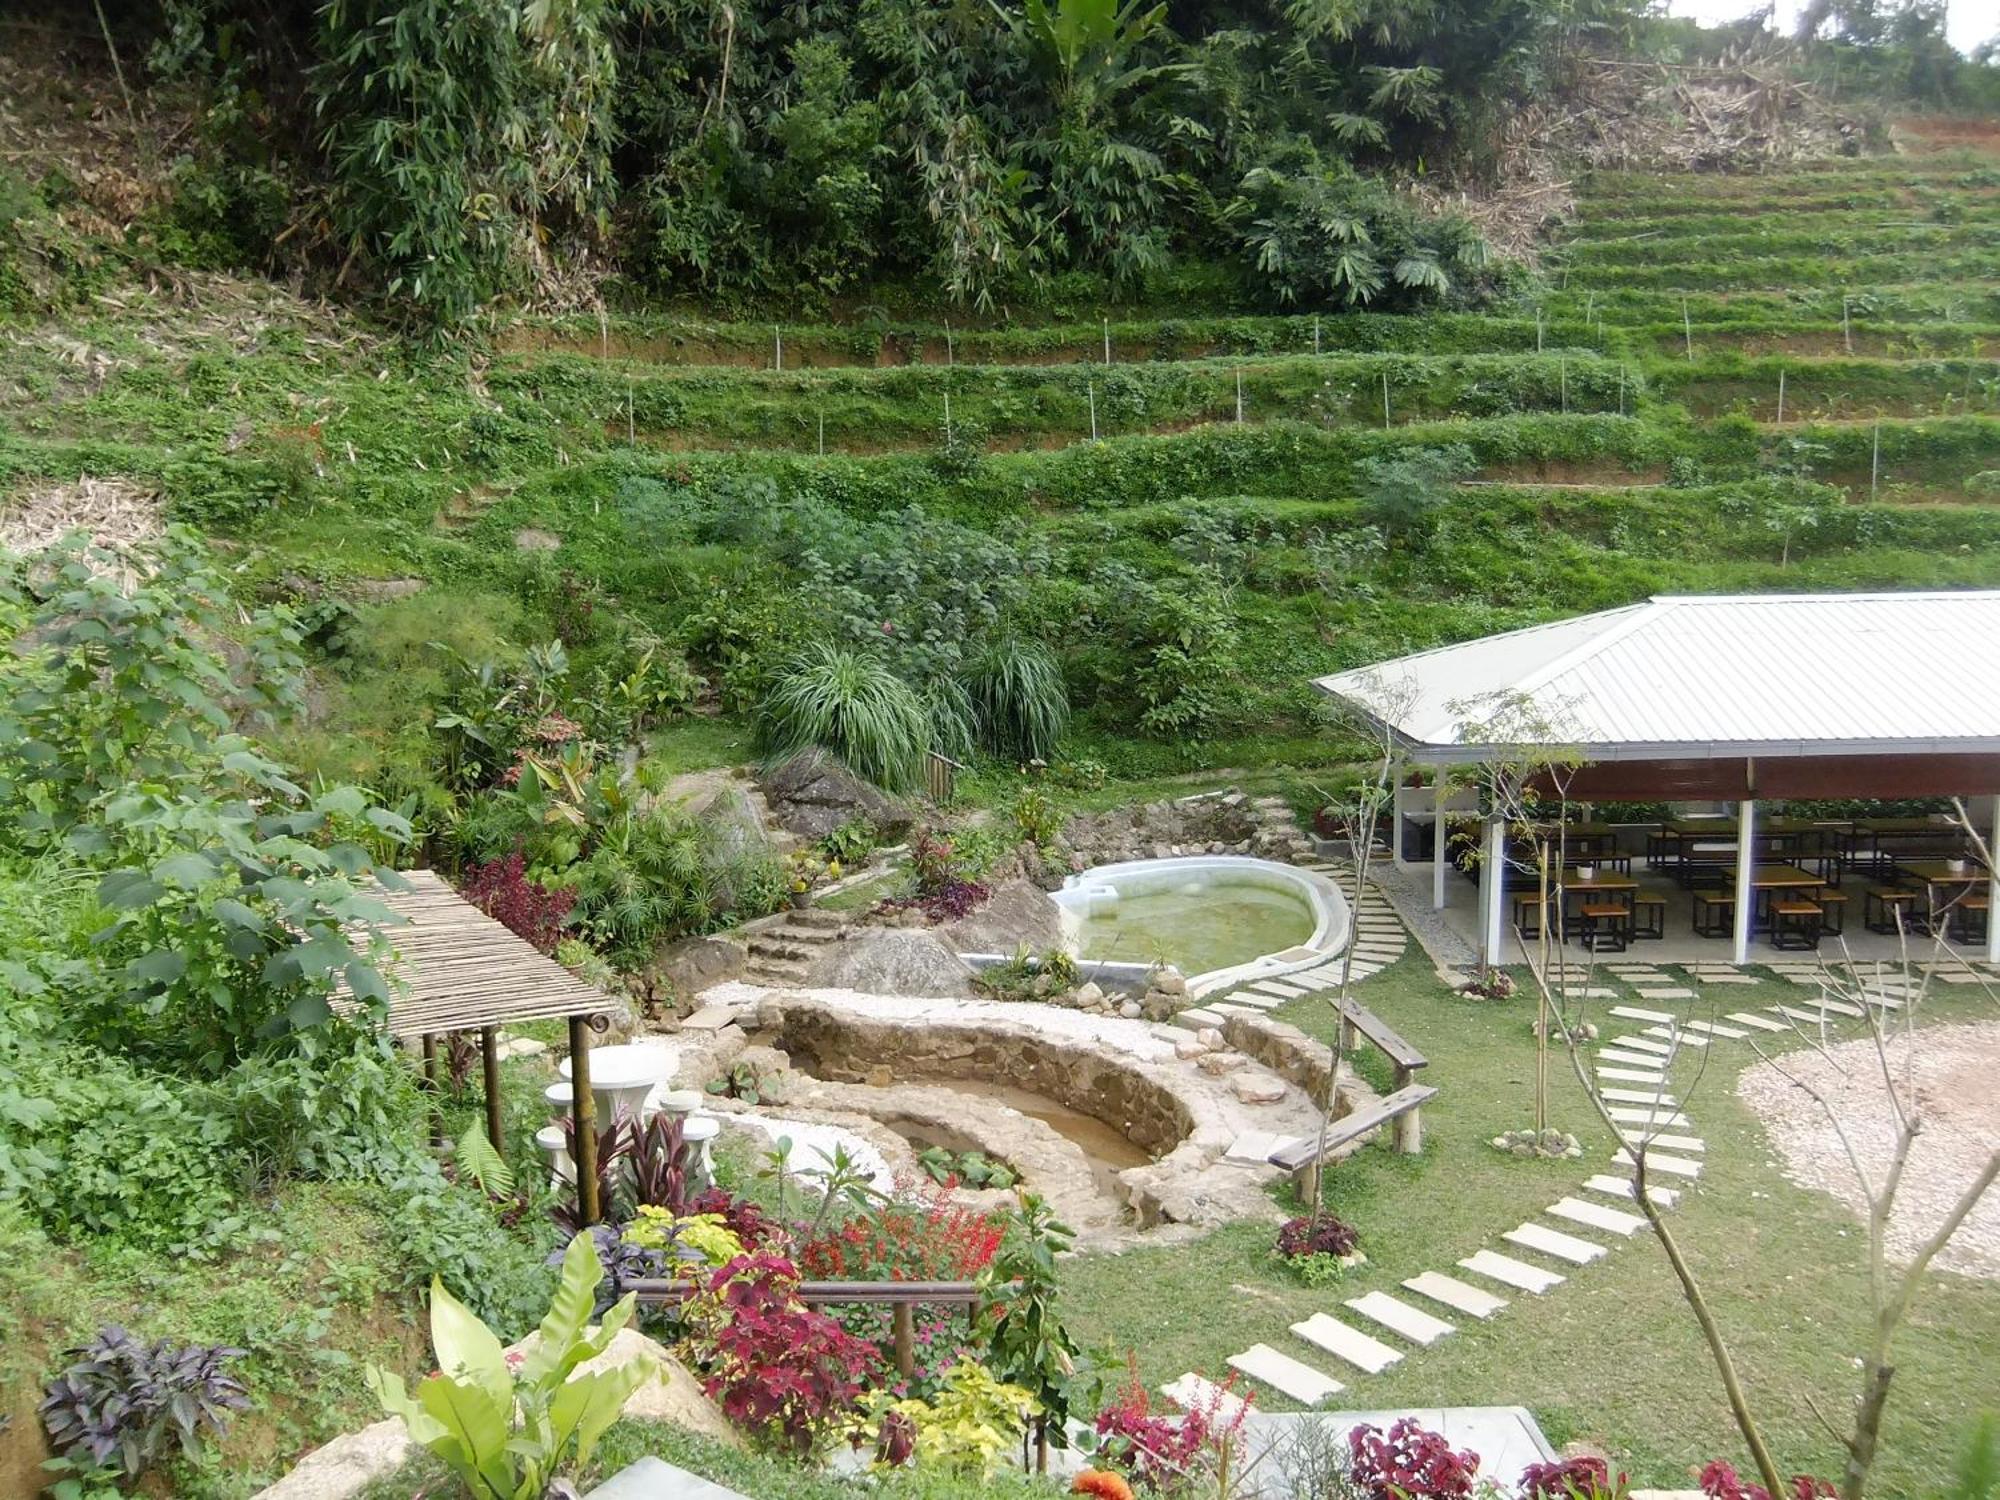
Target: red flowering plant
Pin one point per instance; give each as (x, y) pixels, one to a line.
(1167, 1455)
(1408, 1462)
(943, 892)
(918, 1233)
(1719, 1482)
(503, 891)
(1572, 1479)
(784, 1373)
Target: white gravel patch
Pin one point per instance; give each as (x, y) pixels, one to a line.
(1948, 1071)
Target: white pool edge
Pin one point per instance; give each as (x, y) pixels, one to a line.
(1333, 922)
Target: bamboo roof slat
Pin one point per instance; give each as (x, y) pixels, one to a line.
(459, 970)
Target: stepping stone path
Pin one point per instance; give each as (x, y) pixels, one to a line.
(1287, 1376)
(1661, 1142)
(1675, 1034)
(1654, 1118)
(1554, 1242)
(1711, 1029)
(1351, 1344)
(1510, 1272)
(1634, 1013)
(1455, 1294)
(1667, 992)
(1624, 1187)
(1399, 1317)
(1633, 1059)
(1642, 1044)
(1596, 1216)
(1640, 1096)
(1673, 1166)
(1755, 1023)
(1630, 1075)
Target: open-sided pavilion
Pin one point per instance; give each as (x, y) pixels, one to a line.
(1727, 704)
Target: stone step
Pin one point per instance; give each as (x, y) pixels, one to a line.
(1624, 1187)
(1803, 1017)
(783, 949)
(1554, 1242)
(1399, 1317)
(1195, 1392)
(763, 970)
(1640, 1096)
(1635, 1059)
(1455, 1294)
(1511, 1272)
(1725, 979)
(1323, 1331)
(1635, 1013)
(1755, 1023)
(1666, 991)
(1253, 1148)
(1198, 1018)
(1277, 989)
(1711, 1028)
(812, 917)
(1675, 1034)
(1596, 1216)
(1662, 1142)
(1259, 1001)
(811, 934)
(1285, 1375)
(1656, 1119)
(1630, 1075)
(1641, 1044)
(1837, 1007)
(1673, 1166)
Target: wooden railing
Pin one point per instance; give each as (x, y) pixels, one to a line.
(902, 1297)
(940, 776)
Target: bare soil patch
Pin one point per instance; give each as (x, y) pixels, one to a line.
(1945, 1074)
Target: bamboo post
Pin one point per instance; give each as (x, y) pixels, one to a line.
(947, 418)
(1781, 396)
(1239, 397)
(631, 425)
(1875, 464)
(1090, 391)
(822, 432)
(1315, 333)
(904, 1319)
(1562, 384)
(777, 348)
(433, 1088)
(1846, 326)
(1687, 327)
(489, 1058)
(1621, 387)
(950, 356)
(1385, 399)
(1538, 330)
(1107, 341)
(583, 1111)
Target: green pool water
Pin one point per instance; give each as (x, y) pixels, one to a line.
(1197, 928)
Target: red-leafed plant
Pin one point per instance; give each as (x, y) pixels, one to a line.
(781, 1371)
(1719, 1482)
(1571, 1479)
(943, 893)
(1408, 1462)
(503, 891)
(1161, 1454)
(1320, 1234)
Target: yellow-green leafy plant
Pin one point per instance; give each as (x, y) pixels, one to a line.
(707, 1235)
(506, 1427)
(970, 1423)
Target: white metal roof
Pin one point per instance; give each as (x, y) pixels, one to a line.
(1709, 676)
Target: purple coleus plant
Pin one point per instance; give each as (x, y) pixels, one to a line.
(121, 1401)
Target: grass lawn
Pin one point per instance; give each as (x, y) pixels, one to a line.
(1613, 1356)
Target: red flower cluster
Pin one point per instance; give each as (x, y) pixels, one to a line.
(1719, 1482)
(1101, 1483)
(1571, 1479)
(503, 891)
(918, 1235)
(778, 1368)
(1409, 1462)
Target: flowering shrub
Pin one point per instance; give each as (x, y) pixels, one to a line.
(742, 1218)
(1101, 1483)
(1324, 1235)
(920, 1234)
(943, 892)
(1160, 1453)
(1409, 1462)
(1571, 1479)
(1719, 1482)
(503, 891)
(781, 1371)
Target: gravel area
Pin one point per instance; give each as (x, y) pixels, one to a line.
(1949, 1072)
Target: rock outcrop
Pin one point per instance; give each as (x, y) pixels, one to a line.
(812, 794)
(892, 961)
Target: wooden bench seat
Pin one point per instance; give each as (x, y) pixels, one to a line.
(1301, 1156)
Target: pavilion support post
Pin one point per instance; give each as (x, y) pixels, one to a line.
(1493, 888)
(583, 1111)
(1438, 865)
(1993, 887)
(489, 1060)
(433, 1089)
(1746, 865)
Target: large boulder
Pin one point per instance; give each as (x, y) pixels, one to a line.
(893, 961)
(1017, 914)
(686, 968)
(812, 794)
(725, 802)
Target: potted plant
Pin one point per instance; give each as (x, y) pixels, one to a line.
(807, 871)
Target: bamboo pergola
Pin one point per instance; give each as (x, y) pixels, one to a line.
(456, 969)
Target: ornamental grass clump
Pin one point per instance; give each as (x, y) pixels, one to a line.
(854, 707)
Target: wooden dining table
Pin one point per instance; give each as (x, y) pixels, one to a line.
(1942, 884)
(1770, 881)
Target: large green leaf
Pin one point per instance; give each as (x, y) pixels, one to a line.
(467, 1348)
(477, 1433)
(588, 1404)
(559, 1348)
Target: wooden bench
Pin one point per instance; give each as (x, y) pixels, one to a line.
(1303, 1157)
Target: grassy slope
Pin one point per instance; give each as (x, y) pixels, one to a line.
(1613, 1357)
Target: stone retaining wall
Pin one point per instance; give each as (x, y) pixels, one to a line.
(1300, 1060)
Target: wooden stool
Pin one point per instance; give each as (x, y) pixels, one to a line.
(1969, 918)
(1649, 916)
(1528, 913)
(1795, 925)
(1883, 905)
(1714, 913)
(1832, 911)
(1606, 926)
